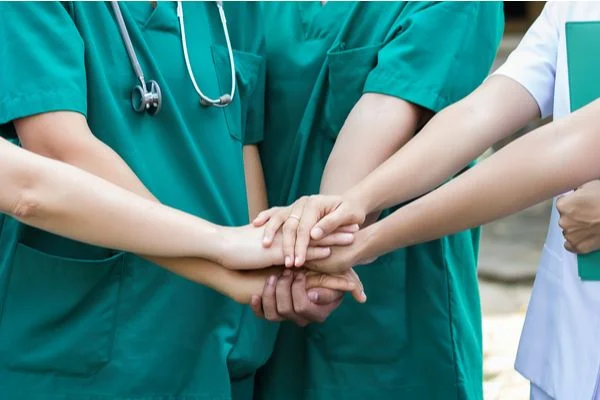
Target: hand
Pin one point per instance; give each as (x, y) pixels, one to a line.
(289, 298)
(313, 218)
(342, 258)
(241, 248)
(242, 285)
(580, 218)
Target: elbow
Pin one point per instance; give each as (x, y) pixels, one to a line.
(27, 206)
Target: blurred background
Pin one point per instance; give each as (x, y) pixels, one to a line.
(510, 251)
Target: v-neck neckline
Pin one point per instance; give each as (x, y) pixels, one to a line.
(320, 20)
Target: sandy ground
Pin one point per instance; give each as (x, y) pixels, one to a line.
(509, 256)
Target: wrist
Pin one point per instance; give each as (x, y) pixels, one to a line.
(361, 199)
(365, 240)
(221, 243)
(229, 285)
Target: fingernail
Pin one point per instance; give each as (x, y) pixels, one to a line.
(313, 296)
(317, 233)
(298, 261)
(287, 261)
(348, 236)
(364, 296)
(266, 239)
(272, 280)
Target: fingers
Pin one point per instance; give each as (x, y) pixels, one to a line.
(335, 239)
(290, 229)
(256, 306)
(269, 301)
(264, 216)
(350, 282)
(275, 222)
(582, 246)
(349, 228)
(318, 253)
(323, 296)
(335, 282)
(358, 293)
(331, 223)
(285, 305)
(302, 305)
(310, 216)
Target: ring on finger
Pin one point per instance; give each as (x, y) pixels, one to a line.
(294, 216)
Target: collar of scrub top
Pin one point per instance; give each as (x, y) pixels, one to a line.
(144, 100)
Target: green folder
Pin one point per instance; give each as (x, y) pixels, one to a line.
(583, 59)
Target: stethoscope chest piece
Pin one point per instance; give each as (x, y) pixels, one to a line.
(144, 100)
(150, 101)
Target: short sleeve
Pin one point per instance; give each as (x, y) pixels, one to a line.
(533, 62)
(41, 61)
(442, 51)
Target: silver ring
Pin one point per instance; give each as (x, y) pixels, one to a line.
(294, 217)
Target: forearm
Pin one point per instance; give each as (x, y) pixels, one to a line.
(376, 128)
(58, 198)
(452, 139)
(549, 161)
(255, 182)
(81, 149)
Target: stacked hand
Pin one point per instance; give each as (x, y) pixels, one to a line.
(312, 220)
(316, 232)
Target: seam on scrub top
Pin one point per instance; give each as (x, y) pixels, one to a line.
(450, 314)
(383, 77)
(49, 95)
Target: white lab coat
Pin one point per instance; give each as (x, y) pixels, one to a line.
(559, 351)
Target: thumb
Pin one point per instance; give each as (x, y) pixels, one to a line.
(331, 222)
(323, 296)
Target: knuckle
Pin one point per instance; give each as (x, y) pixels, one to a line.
(562, 222)
(290, 226)
(301, 308)
(284, 310)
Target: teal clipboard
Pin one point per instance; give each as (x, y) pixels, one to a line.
(583, 60)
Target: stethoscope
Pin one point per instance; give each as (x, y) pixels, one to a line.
(144, 99)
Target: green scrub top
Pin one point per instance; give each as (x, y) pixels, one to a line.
(81, 322)
(419, 335)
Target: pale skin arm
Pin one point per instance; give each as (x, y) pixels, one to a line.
(256, 189)
(375, 128)
(65, 136)
(449, 141)
(454, 137)
(548, 161)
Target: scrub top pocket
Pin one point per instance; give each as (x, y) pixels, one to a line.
(375, 332)
(247, 68)
(348, 71)
(58, 314)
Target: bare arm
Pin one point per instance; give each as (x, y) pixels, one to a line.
(449, 141)
(255, 182)
(548, 161)
(452, 139)
(376, 128)
(65, 136)
(57, 197)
